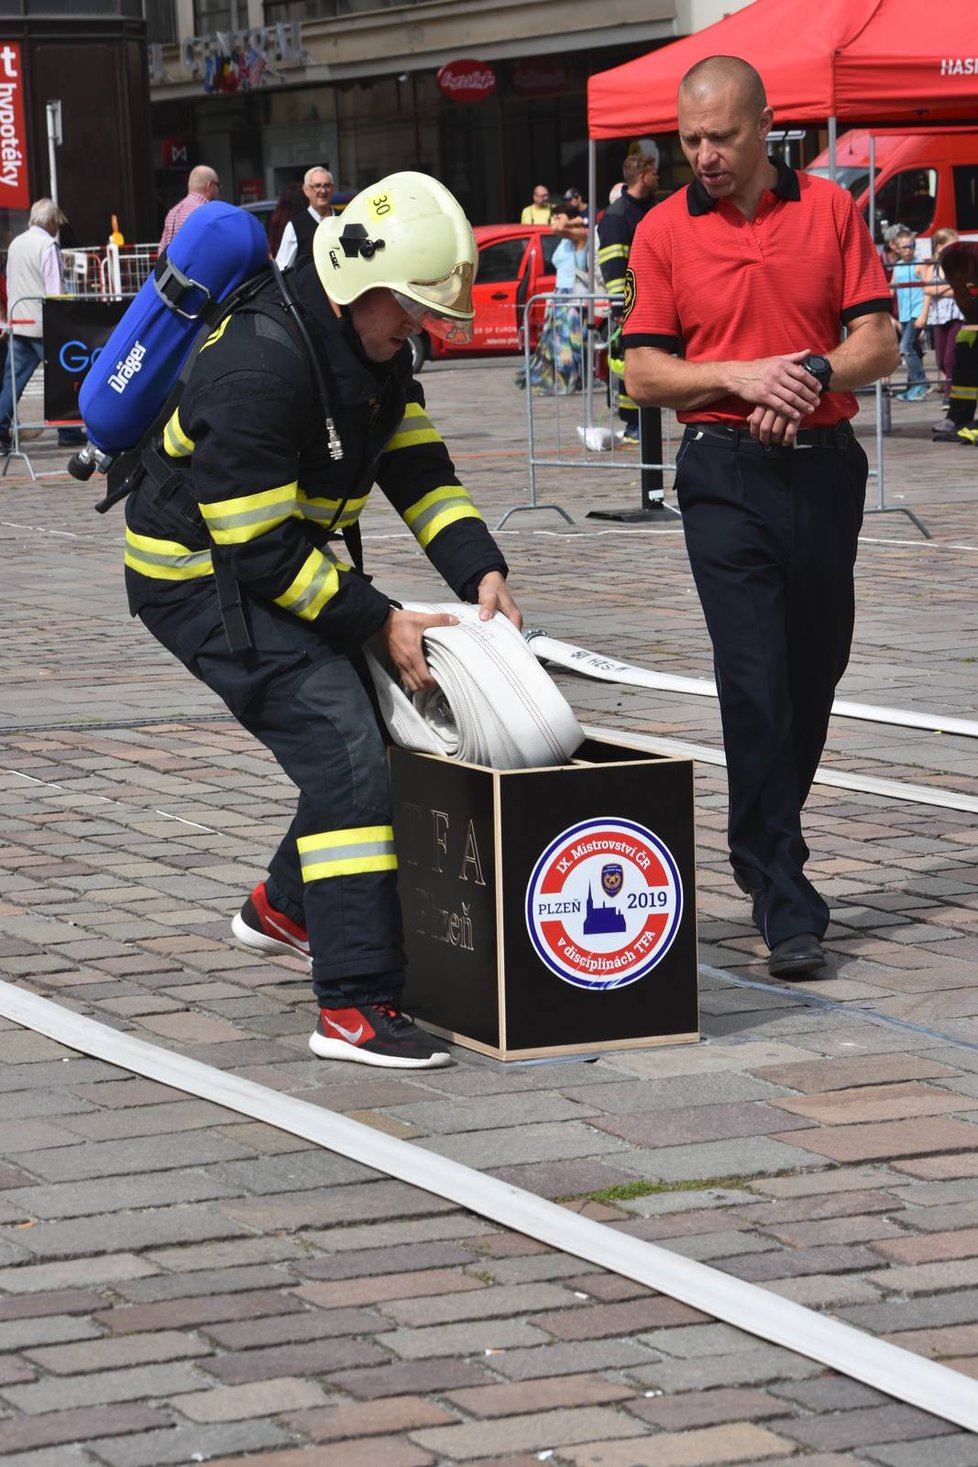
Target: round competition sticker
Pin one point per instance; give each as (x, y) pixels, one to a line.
(603, 904)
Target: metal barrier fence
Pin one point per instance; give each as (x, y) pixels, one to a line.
(109, 271)
(579, 428)
(572, 421)
(25, 311)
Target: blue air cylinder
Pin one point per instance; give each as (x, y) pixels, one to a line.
(214, 251)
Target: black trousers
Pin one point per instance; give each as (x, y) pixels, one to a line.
(963, 400)
(772, 536)
(308, 704)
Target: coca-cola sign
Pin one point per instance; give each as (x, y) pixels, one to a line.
(467, 81)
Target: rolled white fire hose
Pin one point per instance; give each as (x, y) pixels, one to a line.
(494, 704)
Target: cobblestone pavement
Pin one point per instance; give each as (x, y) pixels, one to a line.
(180, 1284)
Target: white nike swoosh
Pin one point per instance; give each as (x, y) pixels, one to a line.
(287, 936)
(353, 1035)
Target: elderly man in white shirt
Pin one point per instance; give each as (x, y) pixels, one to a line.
(34, 270)
(296, 246)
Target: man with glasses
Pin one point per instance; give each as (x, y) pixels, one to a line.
(278, 438)
(296, 246)
(539, 211)
(203, 185)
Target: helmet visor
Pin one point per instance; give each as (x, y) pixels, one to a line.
(435, 322)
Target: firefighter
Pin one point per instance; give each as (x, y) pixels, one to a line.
(277, 454)
(616, 230)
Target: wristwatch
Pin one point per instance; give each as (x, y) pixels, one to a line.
(821, 369)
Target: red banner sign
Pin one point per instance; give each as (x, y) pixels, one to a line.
(14, 189)
(467, 81)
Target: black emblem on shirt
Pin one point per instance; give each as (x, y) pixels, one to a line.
(629, 299)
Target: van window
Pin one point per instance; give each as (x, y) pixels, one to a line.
(966, 196)
(909, 198)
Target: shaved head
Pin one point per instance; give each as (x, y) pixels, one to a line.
(716, 73)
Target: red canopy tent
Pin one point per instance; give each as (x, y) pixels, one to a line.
(879, 60)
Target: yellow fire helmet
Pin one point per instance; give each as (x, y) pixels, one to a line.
(406, 234)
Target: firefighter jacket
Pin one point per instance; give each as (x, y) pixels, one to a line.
(249, 437)
(616, 230)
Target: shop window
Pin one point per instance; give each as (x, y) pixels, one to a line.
(966, 196)
(909, 198)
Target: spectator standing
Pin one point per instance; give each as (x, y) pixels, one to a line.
(34, 270)
(296, 246)
(573, 197)
(290, 203)
(940, 311)
(770, 478)
(203, 186)
(556, 364)
(909, 304)
(616, 231)
(539, 211)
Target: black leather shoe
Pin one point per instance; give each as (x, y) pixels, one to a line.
(796, 957)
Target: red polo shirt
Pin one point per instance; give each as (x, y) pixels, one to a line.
(705, 281)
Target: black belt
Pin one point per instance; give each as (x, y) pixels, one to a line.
(838, 436)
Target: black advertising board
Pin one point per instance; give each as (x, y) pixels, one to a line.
(553, 910)
(75, 330)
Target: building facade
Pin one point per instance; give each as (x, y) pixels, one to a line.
(488, 95)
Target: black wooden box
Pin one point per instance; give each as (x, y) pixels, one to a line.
(549, 911)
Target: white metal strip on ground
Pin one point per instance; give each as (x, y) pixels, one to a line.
(934, 1388)
(610, 670)
(867, 784)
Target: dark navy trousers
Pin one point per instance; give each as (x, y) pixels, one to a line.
(307, 703)
(772, 537)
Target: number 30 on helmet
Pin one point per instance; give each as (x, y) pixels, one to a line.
(406, 234)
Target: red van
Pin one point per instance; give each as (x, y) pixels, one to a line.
(925, 179)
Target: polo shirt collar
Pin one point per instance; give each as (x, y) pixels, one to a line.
(698, 201)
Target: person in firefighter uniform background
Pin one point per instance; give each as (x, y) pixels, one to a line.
(274, 496)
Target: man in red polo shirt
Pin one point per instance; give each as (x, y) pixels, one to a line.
(751, 273)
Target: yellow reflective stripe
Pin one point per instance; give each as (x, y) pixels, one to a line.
(963, 394)
(236, 521)
(437, 510)
(216, 335)
(968, 334)
(316, 584)
(175, 441)
(165, 560)
(324, 511)
(354, 852)
(415, 427)
(612, 252)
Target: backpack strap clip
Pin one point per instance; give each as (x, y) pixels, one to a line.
(176, 289)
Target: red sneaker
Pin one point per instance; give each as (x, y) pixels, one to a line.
(261, 928)
(376, 1034)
